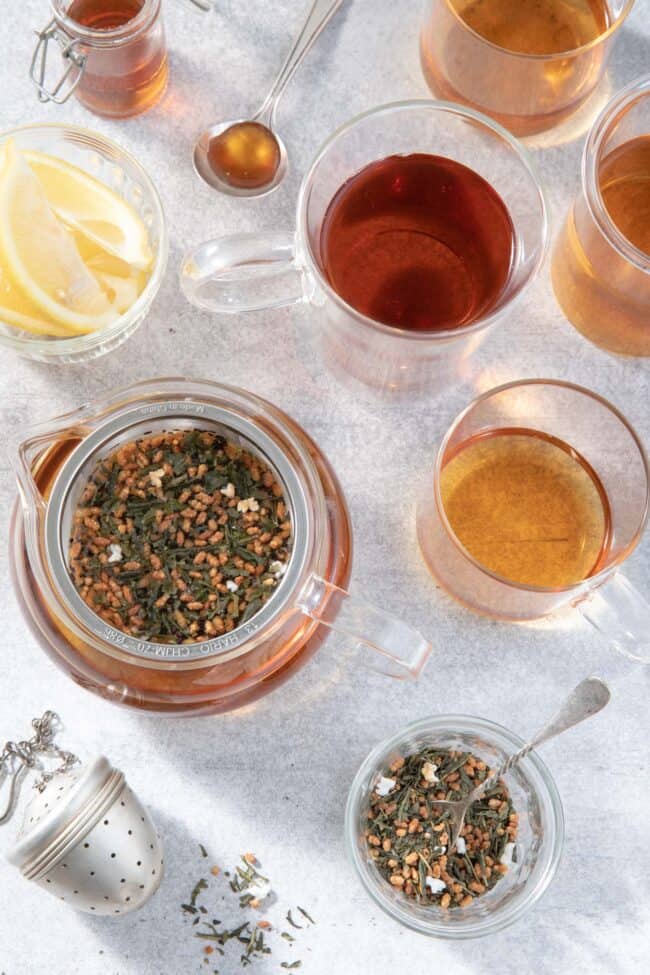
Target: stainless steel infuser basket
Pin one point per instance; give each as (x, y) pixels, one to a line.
(133, 424)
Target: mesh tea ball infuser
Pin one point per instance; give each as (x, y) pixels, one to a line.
(85, 838)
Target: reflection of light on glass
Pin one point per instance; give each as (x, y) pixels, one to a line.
(577, 124)
(568, 620)
(490, 377)
(556, 74)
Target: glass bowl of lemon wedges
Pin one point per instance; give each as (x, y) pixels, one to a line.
(83, 243)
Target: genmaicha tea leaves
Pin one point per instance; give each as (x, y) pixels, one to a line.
(179, 537)
(408, 835)
(250, 938)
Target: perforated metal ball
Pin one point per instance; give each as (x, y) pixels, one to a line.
(88, 840)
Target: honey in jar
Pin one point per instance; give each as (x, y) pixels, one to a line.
(117, 52)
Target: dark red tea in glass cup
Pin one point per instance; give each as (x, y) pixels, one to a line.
(419, 225)
(419, 242)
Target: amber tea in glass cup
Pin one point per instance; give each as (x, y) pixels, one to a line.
(419, 225)
(527, 63)
(601, 261)
(539, 494)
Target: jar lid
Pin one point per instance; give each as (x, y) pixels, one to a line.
(140, 421)
(62, 813)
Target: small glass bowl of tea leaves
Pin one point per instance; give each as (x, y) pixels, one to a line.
(534, 842)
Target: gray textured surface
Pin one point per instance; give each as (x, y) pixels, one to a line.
(273, 778)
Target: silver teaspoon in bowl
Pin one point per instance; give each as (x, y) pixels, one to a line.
(588, 698)
(246, 157)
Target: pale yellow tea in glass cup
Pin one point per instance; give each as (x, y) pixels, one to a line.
(601, 261)
(527, 63)
(539, 493)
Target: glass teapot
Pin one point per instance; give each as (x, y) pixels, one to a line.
(223, 673)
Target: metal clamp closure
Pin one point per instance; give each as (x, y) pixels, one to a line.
(76, 62)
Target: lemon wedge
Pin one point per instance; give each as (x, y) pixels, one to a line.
(93, 209)
(40, 255)
(122, 291)
(17, 310)
(121, 282)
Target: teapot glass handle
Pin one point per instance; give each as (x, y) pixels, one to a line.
(397, 649)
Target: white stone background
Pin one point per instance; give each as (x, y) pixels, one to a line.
(274, 778)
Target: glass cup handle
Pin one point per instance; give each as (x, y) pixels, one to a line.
(398, 650)
(245, 272)
(622, 615)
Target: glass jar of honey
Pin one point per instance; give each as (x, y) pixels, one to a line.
(212, 673)
(114, 52)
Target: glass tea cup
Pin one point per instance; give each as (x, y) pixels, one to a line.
(53, 464)
(540, 833)
(526, 93)
(608, 447)
(247, 272)
(601, 279)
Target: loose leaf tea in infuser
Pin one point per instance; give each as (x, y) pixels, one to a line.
(85, 836)
(179, 537)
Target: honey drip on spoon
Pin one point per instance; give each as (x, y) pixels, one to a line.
(246, 155)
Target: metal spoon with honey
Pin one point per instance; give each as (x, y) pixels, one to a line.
(245, 157)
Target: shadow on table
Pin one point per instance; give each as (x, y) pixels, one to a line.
(633, 49)
(277, 775)
(572, 930)
(161, 937)
(307, 739)
(565, 937)
(200, 94)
